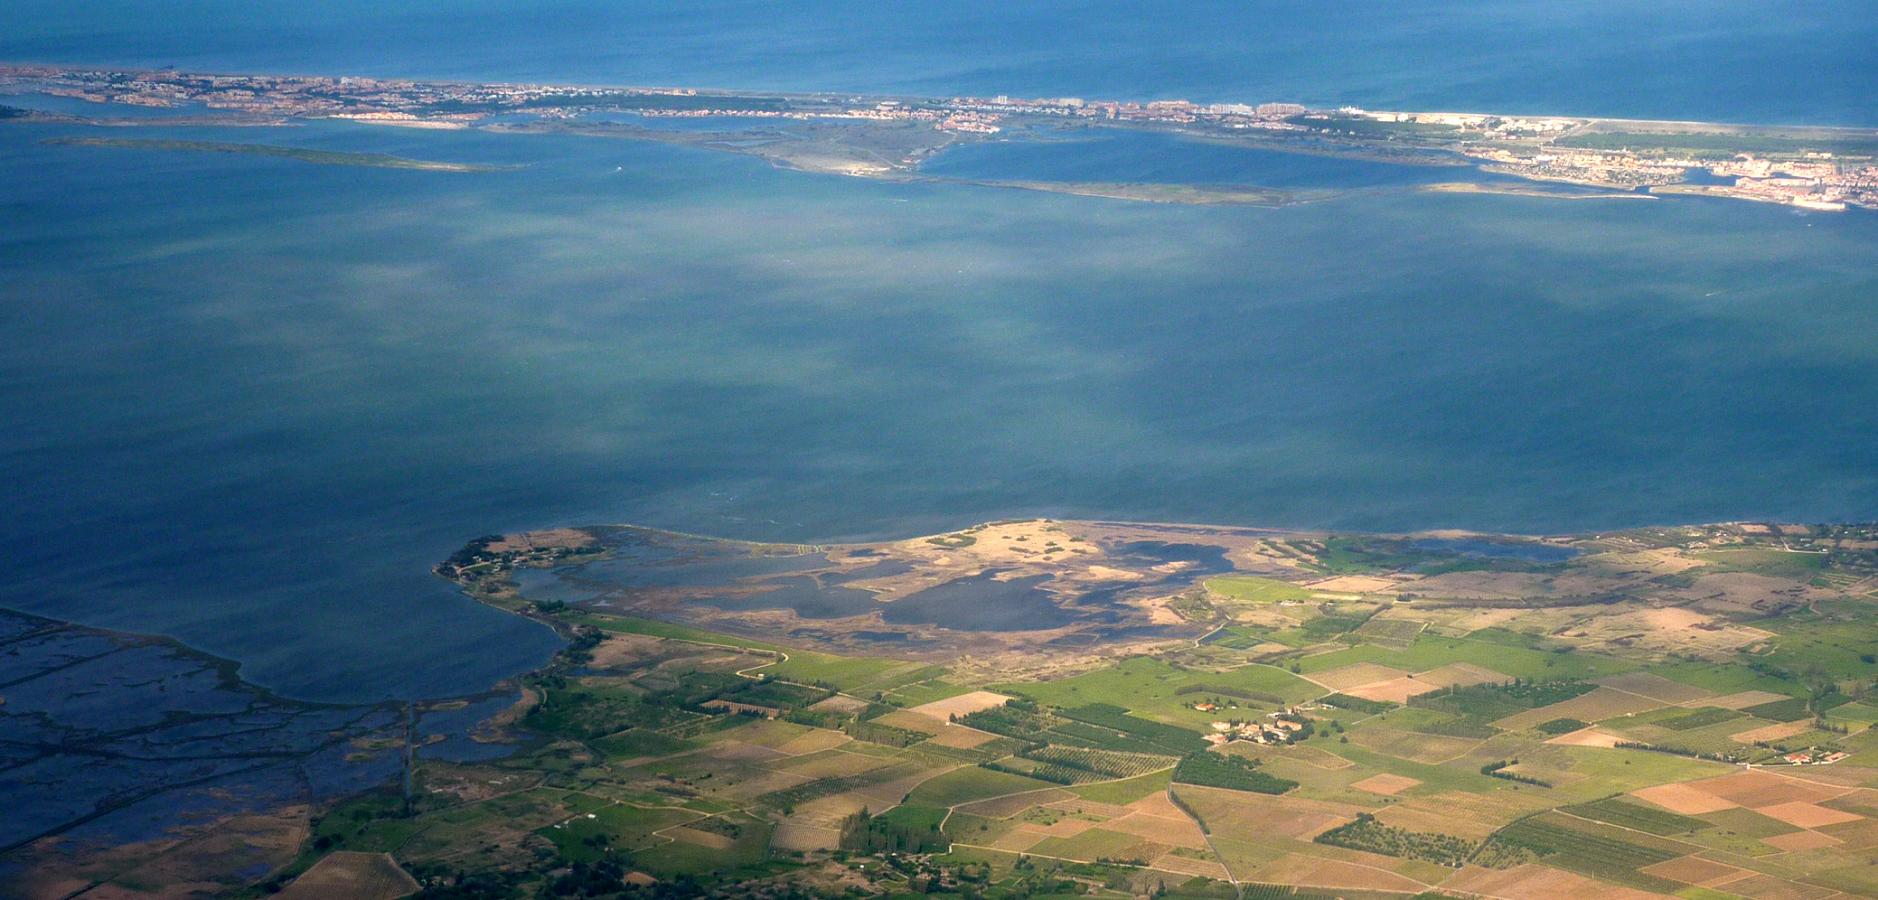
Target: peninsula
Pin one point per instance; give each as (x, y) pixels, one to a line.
(888, 137)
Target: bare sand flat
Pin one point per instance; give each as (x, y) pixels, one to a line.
(1386, 784)
(963, 704)
(1684, 799)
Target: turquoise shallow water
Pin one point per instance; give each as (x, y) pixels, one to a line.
(250, 401)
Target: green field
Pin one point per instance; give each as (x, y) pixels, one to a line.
(1150, 688)
(1599, 851)
(590, 836)
(1765, 561)
(1254, 589)
(1627, 814)
(1432, 651)
(968, 783)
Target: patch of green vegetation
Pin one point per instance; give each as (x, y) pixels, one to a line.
(1076, 765)
(1599, 851)
(926, 691)
(1255, 589)
(588, 711)
(1323, 628)
(1560, 726)
(1625, 814)
(963, 785)
(1697, 718)
(1486, 648)
(791, 797)
(952, 541)
(1428, 721)
(1765, 561)
(1357, 704)
(1178, 740)
(1122, 793)
(1487, 702)
(1152, 687)
(635, 625)
(1365, 833)
(594, 835)
(1789, 710)
(640, 742)
(1234, 772)
(904, 829)
(1215, 691)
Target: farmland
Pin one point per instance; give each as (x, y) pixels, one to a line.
(1337, 715)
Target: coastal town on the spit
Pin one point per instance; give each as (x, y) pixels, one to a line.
(1824, 169)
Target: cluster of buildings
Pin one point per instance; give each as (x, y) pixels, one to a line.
(1814, 757)
(1282, 727)
(1818, 183)
(1589, 167)
(1519, 145)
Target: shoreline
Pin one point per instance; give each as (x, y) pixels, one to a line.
(887, 136)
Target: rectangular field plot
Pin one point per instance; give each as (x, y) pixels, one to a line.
(1744, 699)
(1390, 631)
(1603, 703)
(1536, 882)
(1637, 816)
(1595, 850)
(1695, 870)
(1344, 678)
(1654, 686)
(1410, 745)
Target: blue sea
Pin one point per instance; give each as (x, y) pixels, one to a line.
(250, 401)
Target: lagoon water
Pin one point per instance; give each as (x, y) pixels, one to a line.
(249, 401)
